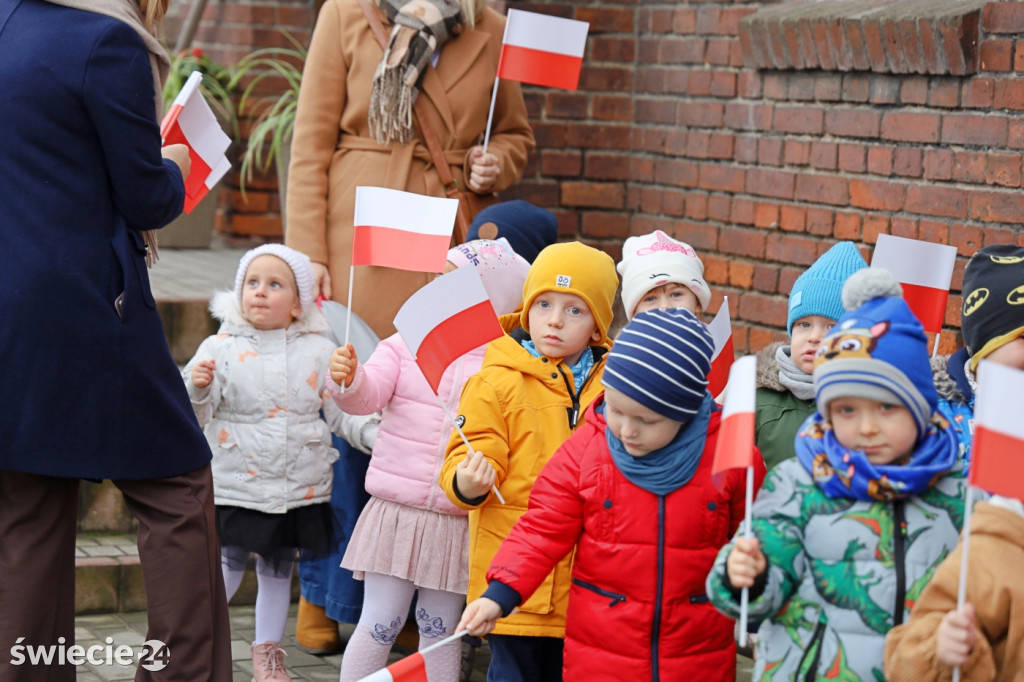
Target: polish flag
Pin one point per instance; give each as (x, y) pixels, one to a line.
(542, 50)
(402, 230)
(735, 447)
(409, 669)
(924, 270)
(190, 121)
(724, 355)
(998, 431)
(446, 319)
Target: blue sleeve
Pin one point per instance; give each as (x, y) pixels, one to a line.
(148, 190)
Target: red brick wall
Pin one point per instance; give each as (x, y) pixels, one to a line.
(762, 169)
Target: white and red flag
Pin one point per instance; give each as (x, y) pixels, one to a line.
(735, 447)
(402, 230)
(191, 122)
(446, 319)
(998, 431)
(924, 270)
(412, 668)
(543, 50)
(724, 355)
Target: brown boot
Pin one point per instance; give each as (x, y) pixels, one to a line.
(315, 633)
(268, 663)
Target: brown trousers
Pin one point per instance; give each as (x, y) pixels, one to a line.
(180, 557)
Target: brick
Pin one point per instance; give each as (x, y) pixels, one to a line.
(746, 116)
(679, 173)
(852, 158)
(997, 207)
(605, 20)
(723, 84)
(1018, 56)
(876, 195)
(1008, 94)
(907, 162)
(828, 88)
(605, 166)
(766, 216)
(989, 131)
(824, 155)
(978, 93)
(792, 218)
(756, 307)
(903, 227)
(765, 279)
(766, 182)
(933, 231)
(769, 151)
(749, 85)
(698, 83)
(716, 51)
(612, 108)
(938, 164)
(801, 120)
(702, 114)
(605, 224)
(914, 90)
(1015, 134)
(969, 167)
(819, 221)
(944, 93)
(565, 164)
(599, 136)
(745, 147)
(936, 201)
(847, 227)
(696, 147)
(566, 105)
(872, 226)
(688, 50)
(793, 249)
(721, 146)
(880, 160)
(684, 20)
(700, 236)
(1003, 169)
(742, 211)
(716, 271)
(721, 178)
(795, 153)
(605, 48)
(740, 242)
(696, 206)
(884, 90)
(741, 275)
(593, 194)
(824, 189)
(997, 235)
(966, 239)
(606, 78)
(1003, 17)
(776, 86)
(910, 127)
(852, 122)
(719, 206)
(997, 55)
(673, 202)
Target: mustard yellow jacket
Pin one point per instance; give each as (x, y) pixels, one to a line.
(517, 410)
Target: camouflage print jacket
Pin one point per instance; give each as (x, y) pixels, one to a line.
(841, 572)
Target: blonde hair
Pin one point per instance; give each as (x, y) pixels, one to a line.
(152, 12)
(470, 10)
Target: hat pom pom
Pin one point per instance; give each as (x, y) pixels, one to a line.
(868, 284)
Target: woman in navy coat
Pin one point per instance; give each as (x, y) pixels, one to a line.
(88, 388)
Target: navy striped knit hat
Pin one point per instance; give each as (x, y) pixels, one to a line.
(661, 359)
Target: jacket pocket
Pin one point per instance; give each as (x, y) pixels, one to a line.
(615, 597)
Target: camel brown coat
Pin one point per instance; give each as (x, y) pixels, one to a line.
(333, 152)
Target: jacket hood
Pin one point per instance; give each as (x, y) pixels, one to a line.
(945, 384)
(768, 367)
(225, 307)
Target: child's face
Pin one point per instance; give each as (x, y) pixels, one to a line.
(884, 432)
(1010, 354)
(641, 429)
(562, 326)
(671, 295)
(270, 299)
(805, 340)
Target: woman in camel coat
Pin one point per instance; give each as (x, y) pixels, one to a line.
(333, 150)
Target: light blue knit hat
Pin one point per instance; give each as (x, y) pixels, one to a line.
(818, 291)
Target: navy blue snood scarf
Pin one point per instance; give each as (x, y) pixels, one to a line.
(670, 468)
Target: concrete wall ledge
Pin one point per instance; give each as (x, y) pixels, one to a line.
(934, 37)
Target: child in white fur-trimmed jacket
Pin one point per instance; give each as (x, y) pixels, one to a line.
(258, 388)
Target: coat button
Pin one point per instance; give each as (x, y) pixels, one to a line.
(712, 506)
(607, 504)
(543, 359)
(554, 375)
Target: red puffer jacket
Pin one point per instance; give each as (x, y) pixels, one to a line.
(637, 609)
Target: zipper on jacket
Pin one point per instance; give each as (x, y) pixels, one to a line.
(572, 412)
(899, 551)
(656, 627)
(819, 631)
(615, 596)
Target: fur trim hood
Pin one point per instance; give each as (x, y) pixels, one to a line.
(768, 367)
(944, 383)
(225, 306)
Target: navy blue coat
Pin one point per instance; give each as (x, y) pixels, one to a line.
(85, 391)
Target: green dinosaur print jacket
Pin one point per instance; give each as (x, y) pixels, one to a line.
(841, 573)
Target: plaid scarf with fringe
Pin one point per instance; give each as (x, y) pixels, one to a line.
(421, 27)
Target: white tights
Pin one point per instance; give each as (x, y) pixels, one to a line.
(385, 607)
(273, 595)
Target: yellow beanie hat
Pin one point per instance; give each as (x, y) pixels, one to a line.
(574, 268)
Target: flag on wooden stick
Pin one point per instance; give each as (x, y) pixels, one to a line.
(735, 447)
(402, 230)
(543, 50)
(724, 355)
(997, 450)
(924, 270)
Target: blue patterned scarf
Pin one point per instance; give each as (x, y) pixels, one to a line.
(670, 468)
(842, 472)
(580, 370)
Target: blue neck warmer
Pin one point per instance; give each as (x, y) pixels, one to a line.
(841, 472)
(579, 371)
(670, 468)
